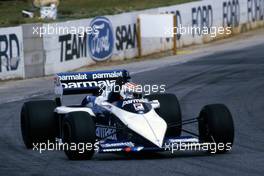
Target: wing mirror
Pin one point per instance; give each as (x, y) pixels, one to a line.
(155, 104)
(104, 103)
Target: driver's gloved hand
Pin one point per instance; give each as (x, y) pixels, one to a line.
(88, 101)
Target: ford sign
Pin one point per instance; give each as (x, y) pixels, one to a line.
(101, 44)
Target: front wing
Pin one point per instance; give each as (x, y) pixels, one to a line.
(113, 146)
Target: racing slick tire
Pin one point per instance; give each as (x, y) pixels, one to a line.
(79, 129)
(170, 111)
(216, 126)
(37, 122)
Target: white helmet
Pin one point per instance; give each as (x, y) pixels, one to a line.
(128, 90)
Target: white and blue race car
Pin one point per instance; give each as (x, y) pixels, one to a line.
(123, 120)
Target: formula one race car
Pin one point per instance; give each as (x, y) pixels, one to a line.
(122, 120)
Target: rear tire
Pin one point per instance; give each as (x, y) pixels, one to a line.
(216, 125)
(79, 128)
(38, 124)
(170, 111)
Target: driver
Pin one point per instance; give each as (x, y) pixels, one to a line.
(121, 90)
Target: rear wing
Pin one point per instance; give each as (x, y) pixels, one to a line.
(86, 82)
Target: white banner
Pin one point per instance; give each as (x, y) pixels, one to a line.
(160, 25)
(11, 53)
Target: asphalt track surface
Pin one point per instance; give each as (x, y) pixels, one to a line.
(235, 78)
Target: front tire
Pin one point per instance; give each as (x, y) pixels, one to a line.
(38, 124)
(170, 111)
(216, 125)
(79, 130)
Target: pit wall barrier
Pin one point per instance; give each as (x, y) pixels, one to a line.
(117, 40)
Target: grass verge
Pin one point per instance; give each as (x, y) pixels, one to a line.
(11, 10)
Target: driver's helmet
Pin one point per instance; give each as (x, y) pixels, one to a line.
(128, 90)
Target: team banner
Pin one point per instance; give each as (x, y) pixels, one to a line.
(73, 44)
